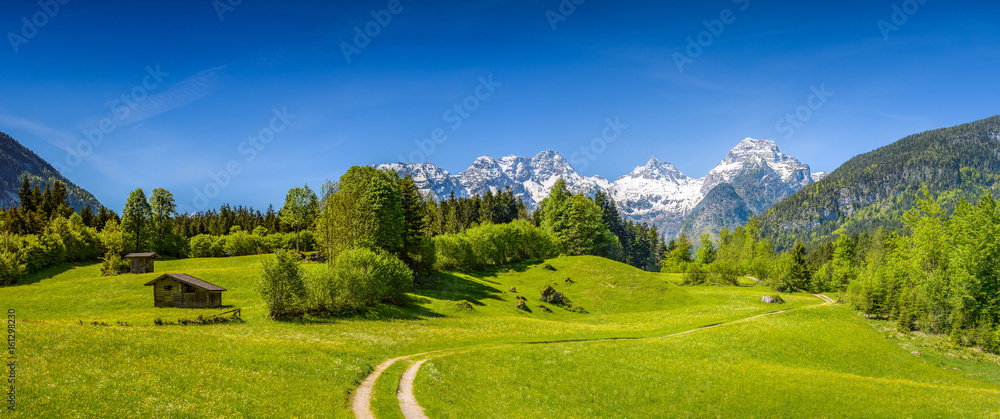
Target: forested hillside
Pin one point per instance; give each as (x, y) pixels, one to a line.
(17, 161)
(875, 189)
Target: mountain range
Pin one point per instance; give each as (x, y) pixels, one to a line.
(758, 173)
(16, 161)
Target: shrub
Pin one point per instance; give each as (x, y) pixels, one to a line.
(361, 278)
(243, 244)
(282, 286)
(113, 264)
(173, 245)
(491, 245)
(696, 275)
(11, 269)
(201, 246)
(40, 251)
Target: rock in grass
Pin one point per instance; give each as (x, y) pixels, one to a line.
(548, 267)
(550, 295)
(522, 306)
(464, 306)
(513, 289)
(545, 309)
(772, 299)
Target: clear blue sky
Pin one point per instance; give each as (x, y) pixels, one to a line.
(221, 81)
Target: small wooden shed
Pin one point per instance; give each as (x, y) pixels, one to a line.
(141, 263)
(185, 291)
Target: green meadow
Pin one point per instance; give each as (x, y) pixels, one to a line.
(496, 360)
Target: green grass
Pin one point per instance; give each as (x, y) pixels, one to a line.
(808, 363)
(309, 368)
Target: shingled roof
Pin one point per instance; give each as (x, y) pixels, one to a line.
(190, 280)
(141, 255)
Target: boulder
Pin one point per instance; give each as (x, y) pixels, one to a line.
(550, 295)
(522, 306)
(772, 299)
(512, 289)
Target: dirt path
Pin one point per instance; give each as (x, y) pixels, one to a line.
(361, 403)
(407, 400)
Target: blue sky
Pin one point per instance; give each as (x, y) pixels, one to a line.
(180, 91)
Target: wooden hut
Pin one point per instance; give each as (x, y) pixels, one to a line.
(180, 290)
(141, 263)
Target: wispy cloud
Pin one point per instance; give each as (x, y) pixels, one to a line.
(184, 92)
(61, 138)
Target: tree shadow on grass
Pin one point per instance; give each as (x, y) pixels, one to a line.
(451, 287)
(413, 309)
(48, 273)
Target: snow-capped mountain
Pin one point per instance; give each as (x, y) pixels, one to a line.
(530, 179)
(792, 172)
(431, 180)
(656, 193)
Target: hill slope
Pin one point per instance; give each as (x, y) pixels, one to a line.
(17, 161)
(876, 188)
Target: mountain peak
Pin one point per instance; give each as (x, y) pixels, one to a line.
(549, 155)
(657, 170)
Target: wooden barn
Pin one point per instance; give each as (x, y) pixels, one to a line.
(141, 263)
(184, 291)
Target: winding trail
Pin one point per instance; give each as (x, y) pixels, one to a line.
(411, 409)
(407, 400)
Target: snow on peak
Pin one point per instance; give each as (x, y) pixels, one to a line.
(818, 176)
(656, 193)
(656, 170)
(791, 170)
(430, 179)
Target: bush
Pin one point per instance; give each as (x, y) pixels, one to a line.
(41, 251)
(113, 264)
(361, 278)
(201, 246)
(491, 245)
(173, 245)
(11, 269)
(282, 286)
(242, 243)
(695, 275)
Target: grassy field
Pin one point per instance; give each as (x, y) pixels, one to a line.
(819, 362)
(69, 368)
